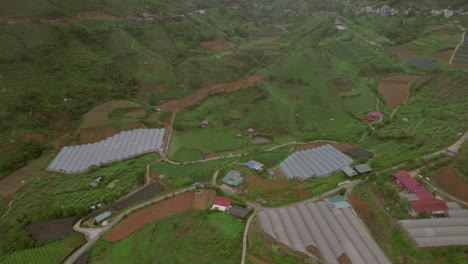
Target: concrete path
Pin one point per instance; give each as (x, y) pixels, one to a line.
(244, 239)
(94, 236)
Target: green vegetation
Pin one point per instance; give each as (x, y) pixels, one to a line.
(57, 195)
(14, 157)
(191, 237)
(180, 175)
(461, 162)
(52, 252)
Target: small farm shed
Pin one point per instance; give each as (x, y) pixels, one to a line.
(233, 178)
(338, 202)
(98, 219)
(374, 114)
(349, 171)
(340, 27)
(221, 203)
(252, 164)
(362, 168)
(238, 211)
(95, 182)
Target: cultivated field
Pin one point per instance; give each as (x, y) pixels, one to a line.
(395, 89)
(99, 116)
(53, 252)
(217, 45)
(190, 237)
(175, 205)
(51, 229)
(448, 180)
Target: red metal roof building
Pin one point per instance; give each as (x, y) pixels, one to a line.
(221, 203)
(374, 114)
(369, 119)
(427, 201)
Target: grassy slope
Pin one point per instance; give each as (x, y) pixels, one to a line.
(192, 237)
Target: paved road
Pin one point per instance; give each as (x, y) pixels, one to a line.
(244, 239)
(96, 235)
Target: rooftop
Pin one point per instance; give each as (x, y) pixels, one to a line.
(233, 178)
(102, 216)
(222, 201)
(362, 168)
(238, 211)
(349, 171)
(428, 205)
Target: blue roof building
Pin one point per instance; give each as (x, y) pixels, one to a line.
(252, 164)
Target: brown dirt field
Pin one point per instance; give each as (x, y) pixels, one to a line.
(403, 53)
(180, 104)
(259, 260)
(175, 205)
(363, 210)
(395, 88)
(448, 180)
(443, 56)
(217, 45)
(99, 116)
(319, 143)
(253, 182)
(459, 66)
(12, 183)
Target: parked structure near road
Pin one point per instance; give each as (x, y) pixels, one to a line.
(233, 178)
(238, 211)
(100, 218)
(362, 168)
(127, 144)
(316, 162)
(422, 200)
(221, 203)
(335, 233)
(349, 171)
(252, 164)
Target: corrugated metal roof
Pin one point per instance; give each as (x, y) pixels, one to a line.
(362, 168)
(316, 162)
(233, 178)
(349, 171)
(222, 201)
(126, 144)
(102, 217)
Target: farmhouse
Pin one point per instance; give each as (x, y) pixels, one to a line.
(426, 201)
(338, 202)
(233, 178)
(238, 211)
(349, 171)
(252, 164)
(95, 182)
(221, 203)
(100, 218)
(362, 168)
(340, 27)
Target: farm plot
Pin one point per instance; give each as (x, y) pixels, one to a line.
(53, 252)
(317, 162)
(138, 196)
(127, 144)
(217, 45)
(448, 180)
(439, 232)
(99, 116)
(395, 88)
(175, 205)
(461, 54)
(323, 231)
(51, 229)
(180, 104)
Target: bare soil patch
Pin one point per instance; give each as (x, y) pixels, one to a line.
(259, 260)
(253, 182)
(395, 88)
(175, 205)
(443, 56)
(180, 104)
(403, 53)
(51, 229)
(99, 116)
(218, 45)
(448, 180)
